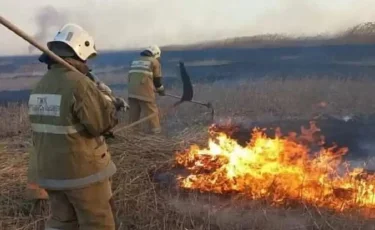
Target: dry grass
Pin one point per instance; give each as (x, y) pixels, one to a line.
(269, 99)
(143, 204)
(14, 120)
(27, 81)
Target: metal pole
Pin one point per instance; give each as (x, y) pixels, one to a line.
(192, 101)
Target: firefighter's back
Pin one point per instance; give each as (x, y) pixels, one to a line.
(140, 79)
(67, 155)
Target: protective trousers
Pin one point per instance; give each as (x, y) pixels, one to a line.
(139, 108)
(88, 208)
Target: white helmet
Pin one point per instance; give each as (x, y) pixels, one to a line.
(76, 38)
(155, 51)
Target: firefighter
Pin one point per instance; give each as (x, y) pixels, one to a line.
(33, 191)
(69, 115)
(144, 78)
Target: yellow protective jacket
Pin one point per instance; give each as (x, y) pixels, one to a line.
(140, 78)
(68, 116)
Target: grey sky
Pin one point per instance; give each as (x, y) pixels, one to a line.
(119, 24)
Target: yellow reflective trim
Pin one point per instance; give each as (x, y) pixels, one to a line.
(80, 182)
(55, 129)
(141, 64)
(141, 71)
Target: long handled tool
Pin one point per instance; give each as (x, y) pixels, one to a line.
(207, 104)
(188, 87)
(192, 101)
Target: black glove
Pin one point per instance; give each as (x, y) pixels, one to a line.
(44, 58)
(109, 135)
(120, 104)
(161, 91)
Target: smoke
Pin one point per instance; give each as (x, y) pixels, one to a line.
(121, 24)
(47, 18)
(200, 21)
(296, 17)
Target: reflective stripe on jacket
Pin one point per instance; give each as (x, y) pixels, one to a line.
(68, 115)
(140, 78)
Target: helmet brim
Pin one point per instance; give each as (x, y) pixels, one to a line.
(61, 49)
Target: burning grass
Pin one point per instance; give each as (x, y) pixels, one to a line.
(284, 170)
(144, 204)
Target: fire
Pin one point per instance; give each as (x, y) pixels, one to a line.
(283, 169)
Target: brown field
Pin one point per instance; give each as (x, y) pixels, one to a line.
(27, 81)
(143, 204)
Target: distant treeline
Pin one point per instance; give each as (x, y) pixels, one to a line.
(359, 34)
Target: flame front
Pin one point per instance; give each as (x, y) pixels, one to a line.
(280, 169)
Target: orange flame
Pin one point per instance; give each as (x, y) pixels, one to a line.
(280, 169)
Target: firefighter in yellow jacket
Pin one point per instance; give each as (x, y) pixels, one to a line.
(144, 78)
(33, 191)
(69, 116)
